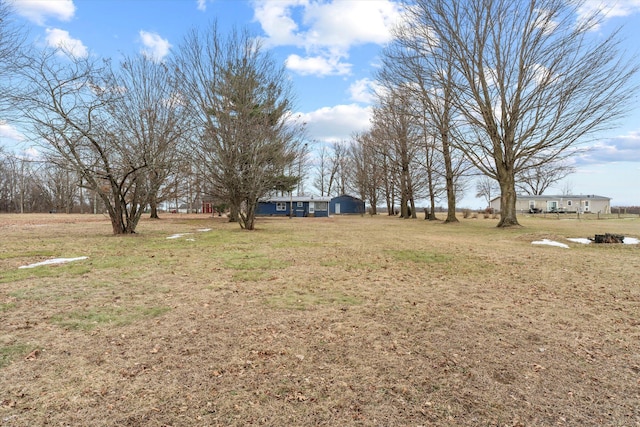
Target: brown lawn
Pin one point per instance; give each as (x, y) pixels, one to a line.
(310, 321)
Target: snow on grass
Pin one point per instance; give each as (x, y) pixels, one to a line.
(53, 261)
(550, 243)
(626, 241)
(582, 240)
(177, 235)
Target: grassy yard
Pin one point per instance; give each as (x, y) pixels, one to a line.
(318, 321)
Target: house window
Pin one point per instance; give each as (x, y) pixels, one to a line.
(569, 203)
(300, 204)
(281, 206)
(322, 206)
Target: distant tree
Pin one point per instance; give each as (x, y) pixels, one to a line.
(537, 179)
(60, 187)
(530, 80)
(398, 131)
(241, 103)
(567, 189)
(486, 188)
(367, 169)
(338, 169)
(321, 171)
(383, 158)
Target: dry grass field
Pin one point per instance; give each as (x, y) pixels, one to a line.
(369, 321)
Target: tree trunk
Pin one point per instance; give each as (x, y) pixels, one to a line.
(451, 189)
(250, 215)
(233, 213)
(412, 205)
(432, 197)
(507, 201)
(154, 208)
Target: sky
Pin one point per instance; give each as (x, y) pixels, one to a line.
(331, 49)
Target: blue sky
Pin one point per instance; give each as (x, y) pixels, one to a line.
(331, 49)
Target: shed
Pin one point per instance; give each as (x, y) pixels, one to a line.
(303, 206)
(345, 204)
(560, 204)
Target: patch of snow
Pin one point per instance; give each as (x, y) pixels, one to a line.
(177, 236)
(54, 261)
(190, 240)
(627, 240)
(203, 230)
(550, 243)
(582, 240)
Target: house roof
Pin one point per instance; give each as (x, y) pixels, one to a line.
(295, 199)
(568, 196)
(559, 197)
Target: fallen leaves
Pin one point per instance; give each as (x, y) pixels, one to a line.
(33, 355)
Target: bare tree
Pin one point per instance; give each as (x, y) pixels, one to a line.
(60, 187)
(86, 117)
(321, 171)
(383, 158)
(398, 131)
(149, 113)
(567, 188)
(486, 188)
(241, 103)
(530, 80)
(536, 180)
(338, 169)
(409, 63)
(12, 39)
(367, 169)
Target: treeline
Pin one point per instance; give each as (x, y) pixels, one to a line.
(625, 210)
(499, 89)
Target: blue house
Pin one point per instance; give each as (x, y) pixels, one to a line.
(302, 206)
(343, 205)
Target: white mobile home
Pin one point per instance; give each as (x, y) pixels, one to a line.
(569, 203)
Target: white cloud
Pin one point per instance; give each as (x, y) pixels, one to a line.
(31, 153)
(39, 10)
(347, 23)
(607, 10)
(338, 123)
(9, 132)
(317, 65)
(58, 38)
(623, 148)
(615, 9)
(277, 22)
(325, 29)
(155, 47)
(202, 5)
(364, 90)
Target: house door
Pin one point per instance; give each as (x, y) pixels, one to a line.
(337, 212)
(552, 206)
(312, 207)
